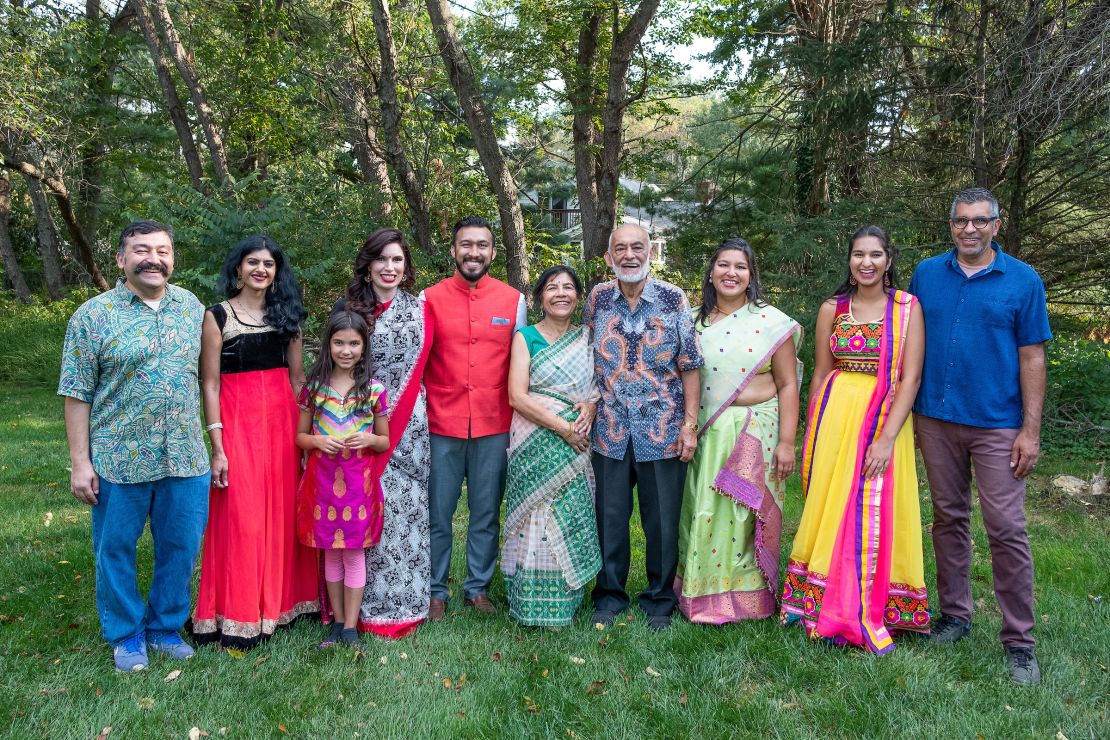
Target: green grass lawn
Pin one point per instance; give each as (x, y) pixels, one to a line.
(473, 676)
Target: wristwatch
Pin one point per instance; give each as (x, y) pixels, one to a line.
(692, 426)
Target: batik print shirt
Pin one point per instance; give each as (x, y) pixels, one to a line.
(639, 356)
(137, 367)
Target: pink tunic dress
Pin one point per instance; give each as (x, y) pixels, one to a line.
(339, 505)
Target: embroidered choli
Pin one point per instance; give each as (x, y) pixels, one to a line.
(855, 345)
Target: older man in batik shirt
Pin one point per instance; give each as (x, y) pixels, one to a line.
(132, 412)
(647, 359)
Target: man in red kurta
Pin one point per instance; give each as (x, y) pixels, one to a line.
(475, 317)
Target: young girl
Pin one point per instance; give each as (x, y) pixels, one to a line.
(343, 424)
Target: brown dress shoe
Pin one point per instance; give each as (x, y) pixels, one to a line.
(437, 610)
(482, 603)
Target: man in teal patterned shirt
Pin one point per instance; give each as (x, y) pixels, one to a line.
(132, 412)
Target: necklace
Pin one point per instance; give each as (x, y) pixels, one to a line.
(260, 321)
(717, 314)
(545, 325)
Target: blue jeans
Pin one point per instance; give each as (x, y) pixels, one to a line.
(178, 510)
(482, 461)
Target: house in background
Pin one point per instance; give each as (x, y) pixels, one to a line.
(558, 209)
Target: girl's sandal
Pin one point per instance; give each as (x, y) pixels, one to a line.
(335, 632)
(350, 637)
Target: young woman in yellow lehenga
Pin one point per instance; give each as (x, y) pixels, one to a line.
(728, 535)
(855, 572)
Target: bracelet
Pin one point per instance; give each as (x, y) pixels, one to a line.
(214, 425)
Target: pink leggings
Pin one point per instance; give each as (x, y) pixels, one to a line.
(348, 566)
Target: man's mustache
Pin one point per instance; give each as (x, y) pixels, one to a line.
(143, 266)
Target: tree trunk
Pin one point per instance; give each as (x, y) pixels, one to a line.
(411, 186)
(480, 123)
(585, 102)
(196, 92)
(174, 106)
(47, 239)
(93, 151)
(35, 178)
(364, 143)
(983, 176)
(7, 251)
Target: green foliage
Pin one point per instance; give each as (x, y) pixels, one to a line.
(31, 340)
(1077, 402)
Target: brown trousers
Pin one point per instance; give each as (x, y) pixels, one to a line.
(950, 451)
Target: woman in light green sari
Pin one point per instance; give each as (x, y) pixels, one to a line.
(728, 539)
(550, 546)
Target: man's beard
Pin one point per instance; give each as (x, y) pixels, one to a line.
(638, 277)
(463, 267)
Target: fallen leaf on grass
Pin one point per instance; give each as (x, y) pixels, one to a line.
(652, 672)
(1103, 667)
(261, 660)
(70, 518)
(146, 703)
(496, 657)
(104, 733)
(99, 691)
(682, 699)
(461, 714)
(597, 687)
(383, 660)
(195, 733)
(47, 518)
(283, 729)
(448, 683)
(1009, 708)
(1061, 736)
(172, 675)
(545, 672)
(460, 682)
(576, 660)
(237, 654)
(403, 656)
(222, 731)
(531, 706)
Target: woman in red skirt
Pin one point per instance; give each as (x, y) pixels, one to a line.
(255, 576)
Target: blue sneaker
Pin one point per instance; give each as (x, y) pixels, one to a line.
(169, 643)
(130, 654)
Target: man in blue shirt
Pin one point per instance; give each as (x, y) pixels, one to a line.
(646, 358)
(982, 391)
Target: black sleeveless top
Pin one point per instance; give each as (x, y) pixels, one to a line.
(247, 347)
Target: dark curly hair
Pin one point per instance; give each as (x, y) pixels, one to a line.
(361, 297)
(285, 310)
(709, 294)
(320, 372)
(846, 287)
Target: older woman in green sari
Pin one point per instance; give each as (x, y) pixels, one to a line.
(728, 537)
(550, 546)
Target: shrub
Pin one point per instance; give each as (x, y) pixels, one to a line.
(1077, 402)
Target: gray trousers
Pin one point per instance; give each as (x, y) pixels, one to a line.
(950, 451)
(482, 462)
(659, 486)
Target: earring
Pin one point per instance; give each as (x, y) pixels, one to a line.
(239, 282)
(852, 280)
(886, 279)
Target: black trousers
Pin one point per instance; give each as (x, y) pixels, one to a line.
(659, 486)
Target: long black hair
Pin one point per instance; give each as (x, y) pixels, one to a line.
(285, 310)
(361, 297)
(754, 291)
(846, 287)
(320, 372)
(546, 275)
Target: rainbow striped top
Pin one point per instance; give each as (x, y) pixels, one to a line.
(336, 416)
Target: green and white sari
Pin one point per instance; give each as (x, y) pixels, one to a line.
(550, 547)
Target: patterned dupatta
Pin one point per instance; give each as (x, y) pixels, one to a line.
(762, 330)
(545, 471)
(859, 570)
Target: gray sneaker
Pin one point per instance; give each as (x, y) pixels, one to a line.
(948, 630)
(1022, 662)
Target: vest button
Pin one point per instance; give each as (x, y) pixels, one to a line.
(474, 340)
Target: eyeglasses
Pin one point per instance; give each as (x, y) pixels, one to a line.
(981, 222)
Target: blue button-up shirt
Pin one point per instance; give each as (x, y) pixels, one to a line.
(973, 328)
(638, 357)
(137, 367)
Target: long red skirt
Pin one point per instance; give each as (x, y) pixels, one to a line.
(255, 576)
